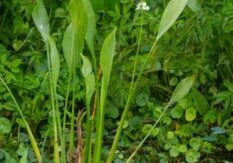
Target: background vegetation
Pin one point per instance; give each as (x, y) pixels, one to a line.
(197, 128)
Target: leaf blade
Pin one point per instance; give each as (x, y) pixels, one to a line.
(91, 28)
(106, 55)
(79, 21)
(41, 19)
(55, 62)
(182, 89)
(170, 15)
(89, 78)
(68, 46)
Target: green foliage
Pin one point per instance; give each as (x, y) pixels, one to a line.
(90, 73)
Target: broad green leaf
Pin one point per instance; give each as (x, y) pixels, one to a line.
(190, 114)
(41, 19)
(89, 78)
(182, 89)
(194, 6)
(79, 23)
(170, 15)
(69, 48)
(91, 29)
(106, 56)
(199, 101)
(55, 62)
(5, 125)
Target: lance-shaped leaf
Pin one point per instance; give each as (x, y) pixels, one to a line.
(79, 21)
(91, 29)
(69, 48)
(55, 62)
(106, 60)
(41, 19)
(89, 78)
(106, 56)
(170, 15)
(182, 89)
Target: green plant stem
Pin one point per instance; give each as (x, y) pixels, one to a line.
(31, 136)
(58, 118)
(149, 133)
(87, 153)
(128, 103)
(103, 95)
(130, 95)
(100, 123)
(71, 146)
(63, 150)
(88, 135)
(52, 91)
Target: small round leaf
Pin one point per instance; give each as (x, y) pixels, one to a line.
(190, 114)
(177, 112)
(174, 152)
(5, 125)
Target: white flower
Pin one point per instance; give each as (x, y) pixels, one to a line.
(142, 6)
